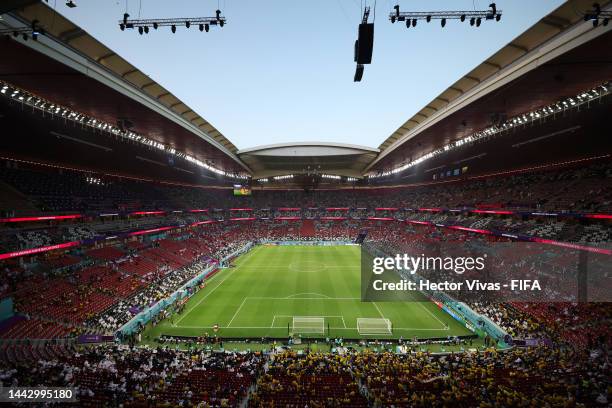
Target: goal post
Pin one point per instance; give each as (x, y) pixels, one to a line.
(308, 325)
(372, 326)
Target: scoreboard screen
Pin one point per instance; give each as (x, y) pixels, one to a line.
(242, 190)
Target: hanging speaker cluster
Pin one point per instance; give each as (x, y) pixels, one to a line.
(364, 45)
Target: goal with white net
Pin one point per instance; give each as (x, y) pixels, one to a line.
(308, 325)
(372, 326)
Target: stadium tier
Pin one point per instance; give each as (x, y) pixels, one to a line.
(148, 261)
(128, 263)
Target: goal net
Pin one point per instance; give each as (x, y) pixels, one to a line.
(308, 325)
(369, 326)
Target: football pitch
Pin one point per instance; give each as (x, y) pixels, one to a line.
(266, 288)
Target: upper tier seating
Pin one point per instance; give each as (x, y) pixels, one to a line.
(586, 189)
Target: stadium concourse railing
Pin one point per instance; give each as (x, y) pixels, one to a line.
(146, 315)
(34, 343)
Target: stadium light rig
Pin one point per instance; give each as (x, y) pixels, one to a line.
(597, 15)
(24, 32)
(575, 102)
(286, 177)
(143, 26)
(26, 98)
(475, 17)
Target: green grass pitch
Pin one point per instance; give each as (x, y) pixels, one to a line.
(269, 285)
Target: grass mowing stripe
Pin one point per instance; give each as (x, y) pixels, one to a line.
(432, 315)
(209, 293)
(237, 310)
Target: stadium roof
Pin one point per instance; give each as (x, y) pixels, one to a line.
(67, 65)
(558, 57)
(308, 157)
(554, 35)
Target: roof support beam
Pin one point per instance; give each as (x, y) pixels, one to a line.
(518, 47)
(494, 65)
(130, 72)
(556, 22)
(73, 34)
(106, 56)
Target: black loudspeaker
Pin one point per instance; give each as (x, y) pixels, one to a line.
(358, 73)
(364, 44)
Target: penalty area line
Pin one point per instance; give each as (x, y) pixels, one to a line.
(379, 312)
(237, 311)
(297, 295)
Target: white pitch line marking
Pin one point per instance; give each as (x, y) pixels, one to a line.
(213, 289)
(237, 310)
(191, 308)
(324, 316)
(308, 293)
(331, 327)
(301, 298)
(379, 312)
(434, 316)
(282, 267)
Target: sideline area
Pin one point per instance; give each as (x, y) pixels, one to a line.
(258, 297)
